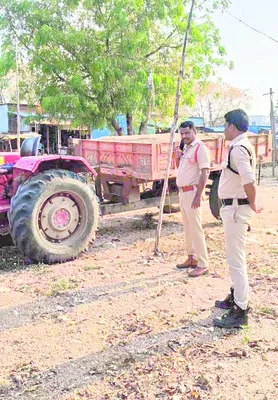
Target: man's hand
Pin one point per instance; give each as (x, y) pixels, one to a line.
(196, 203)
(178, 153)
(250, 190)
(256, 208)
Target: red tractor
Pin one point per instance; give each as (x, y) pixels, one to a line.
(46, 204)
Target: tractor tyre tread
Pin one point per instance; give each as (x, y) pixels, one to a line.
(21, 216)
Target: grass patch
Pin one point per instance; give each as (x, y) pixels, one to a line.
(92, 268)
(24, 288)
(266, 270)
(107, 230)
(146, 222)
(4, 383)
(246, 339)
(61, 286)
(273, 250)
(10, 259)
(268, 311)
(193, 312)
(41, 268)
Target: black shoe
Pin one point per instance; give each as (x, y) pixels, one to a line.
(227, 303)
(233, 318)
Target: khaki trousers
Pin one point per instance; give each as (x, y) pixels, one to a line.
(235, 221)
(195, 243)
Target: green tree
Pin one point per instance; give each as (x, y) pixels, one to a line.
(91, 59)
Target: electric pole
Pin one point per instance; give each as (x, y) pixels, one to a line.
(210, 114)
(272, 122)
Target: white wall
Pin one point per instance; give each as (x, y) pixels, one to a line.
(259, 120)
(4, 121)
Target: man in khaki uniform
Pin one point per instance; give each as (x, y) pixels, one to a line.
(193, 169)
(238, 196)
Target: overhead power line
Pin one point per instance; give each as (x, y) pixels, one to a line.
(251, 27)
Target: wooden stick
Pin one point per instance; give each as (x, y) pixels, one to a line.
(173, 129)
(17, 98)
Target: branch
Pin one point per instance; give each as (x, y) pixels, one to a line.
(83, 66)
(57, 74)
(161, 45)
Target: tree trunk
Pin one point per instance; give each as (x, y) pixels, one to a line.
(129, 124)
(117, 127)
(144, 124)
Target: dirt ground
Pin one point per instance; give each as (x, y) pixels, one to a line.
(121, 323)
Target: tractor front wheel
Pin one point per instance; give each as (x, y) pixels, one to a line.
(53, 216)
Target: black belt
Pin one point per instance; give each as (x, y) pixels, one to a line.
(229, 202)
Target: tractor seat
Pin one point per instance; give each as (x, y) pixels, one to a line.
(30, 147)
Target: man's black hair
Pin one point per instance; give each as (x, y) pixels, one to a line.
(187, 124)
(238, 118)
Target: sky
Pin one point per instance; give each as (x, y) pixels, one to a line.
(255, 56)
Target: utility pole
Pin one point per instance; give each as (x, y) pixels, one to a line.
(17, 96)
(210, 113)
(272, 122)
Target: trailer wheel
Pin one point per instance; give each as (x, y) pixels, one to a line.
(173, 189)
(53, 216)
(214, 201)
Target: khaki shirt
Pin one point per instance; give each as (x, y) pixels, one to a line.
(195, 157)
(231, 184)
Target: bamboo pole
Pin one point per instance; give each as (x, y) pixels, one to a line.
(17, 97)
(173, 129)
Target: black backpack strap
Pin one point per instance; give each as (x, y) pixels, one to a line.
(229, 158)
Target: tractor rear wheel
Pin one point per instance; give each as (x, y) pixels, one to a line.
(53, 216)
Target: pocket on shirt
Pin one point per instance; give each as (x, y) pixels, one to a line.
(190, 159)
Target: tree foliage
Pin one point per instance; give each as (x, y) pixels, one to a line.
(91, 59)
(213, 100)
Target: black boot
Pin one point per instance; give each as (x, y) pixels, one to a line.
(233, 318)
(227, 303)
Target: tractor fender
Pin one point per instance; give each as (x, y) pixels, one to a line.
(34, 164)
(26, 167)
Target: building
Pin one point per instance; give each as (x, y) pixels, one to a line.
(120, 119)
(54, 134)
(8, 118)
(259, 128)
(198, 121)
(259, 120)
